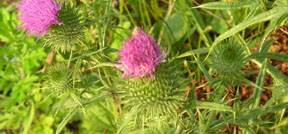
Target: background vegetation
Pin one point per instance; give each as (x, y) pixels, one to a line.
(252, 99)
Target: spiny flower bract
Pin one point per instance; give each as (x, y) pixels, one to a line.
(160, 96)
(140, 56)
(38, 15)
(70, 33)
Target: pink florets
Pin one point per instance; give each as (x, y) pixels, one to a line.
(38, 15)
(139, 56)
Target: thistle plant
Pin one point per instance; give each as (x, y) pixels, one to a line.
(227, 60)
(150, 85)
(62, 25)
(140, 89)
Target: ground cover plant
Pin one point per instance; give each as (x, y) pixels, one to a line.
(143, 66)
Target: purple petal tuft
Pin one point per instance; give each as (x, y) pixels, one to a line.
(38, 15)
(140, 56)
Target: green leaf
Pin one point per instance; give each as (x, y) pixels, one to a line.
(279, 90)
(260, 82)
(194, 18)
(262, 110)
(213, 106)
(128, 118)
(193, 52)
(205, 72)
(219, 26)
(103, 65)
(249, 82)
(249, 114)
(29, 119)
(177, 25)
(265, 16)
(274, 56)
(276, 74)
(272, 26)
(231, 5)
(66, 119)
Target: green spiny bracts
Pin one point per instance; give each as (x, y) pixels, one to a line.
(227, 60)
(158, 96)
(153, 125)
(71, 32)
(60, 78)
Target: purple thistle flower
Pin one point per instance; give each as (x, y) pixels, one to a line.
(38, 15)
(139, 56)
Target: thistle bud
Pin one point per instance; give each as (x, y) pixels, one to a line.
(227, 60)
(60, 78)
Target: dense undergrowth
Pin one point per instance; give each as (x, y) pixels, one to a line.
(144, 66)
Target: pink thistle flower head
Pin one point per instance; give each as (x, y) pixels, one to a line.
(140, 56)
(38, 15)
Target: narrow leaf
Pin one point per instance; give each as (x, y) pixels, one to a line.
(193, 52)
(29, 119)
(265, 16)
(230, 5)
(260, 82)
(249, 114)
(213, 106)
(66, 119)
(205, 72)
(274, 24)
(274, 56)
